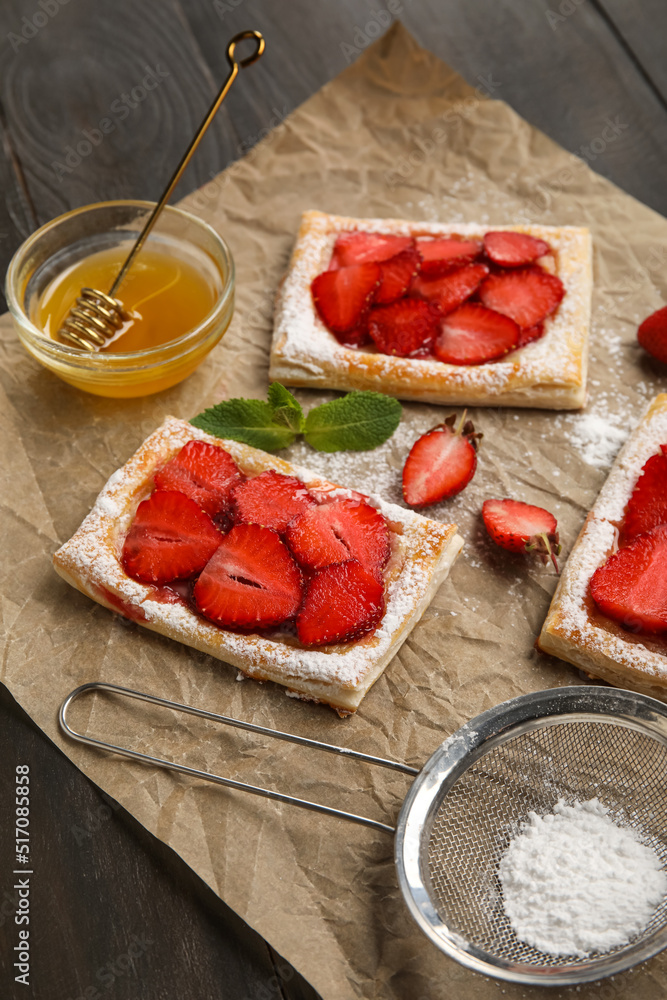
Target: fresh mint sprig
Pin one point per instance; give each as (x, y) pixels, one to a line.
(358, 421)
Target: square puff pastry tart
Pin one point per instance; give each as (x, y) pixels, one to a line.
(575, 630)
(422, 552)
(549, 373)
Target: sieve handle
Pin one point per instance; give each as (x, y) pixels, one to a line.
(236, 724)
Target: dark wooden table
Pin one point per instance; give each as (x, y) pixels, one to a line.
(120, 915)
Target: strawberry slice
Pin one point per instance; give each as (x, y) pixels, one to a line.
(251, 581)
(452, 289)
(647, 507)
(441, 462)
(397, 274)
(342, 298)
(441, 255)
(403, 328)
(522, 527)
(631, 587)
(202, 471)
(473, 334)
(365, 248)
(270, 499)
(652, 334)
(529, 335)
(170, 539)
(342, 603)
(514, 249)
(337, 531)
(527, 295)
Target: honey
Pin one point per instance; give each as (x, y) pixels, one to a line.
(165, 295)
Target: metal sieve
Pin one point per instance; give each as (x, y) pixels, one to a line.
(470, 798)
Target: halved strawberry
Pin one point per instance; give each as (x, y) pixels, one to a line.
(357, 337)
(527, 295)
(652, 334)
(342, 603)
(170, 538)
(522, 527)
(631, 587)
(647, 507)
(202, 471)
(397, 273)
(340, 530)
(403, 328)
(527, 336)
(441, 462)
(473, 334)
(441, 255)
(452, 289)
(342, 298)
(251, 581)
(514, 249)
(270, 499)
(364, 248)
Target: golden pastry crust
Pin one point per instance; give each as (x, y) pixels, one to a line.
(549, 373)
(340, 675)
(574, 629)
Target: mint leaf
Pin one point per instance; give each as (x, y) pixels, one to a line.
(356, 422)
(247, 420)
(286, 409)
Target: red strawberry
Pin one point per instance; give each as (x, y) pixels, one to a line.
(342, 603)
(652, 334)
(514, 249)
(452, 289)
(531, 334)
(441, 462)
(364, 248)
(473, 334)
(270, 499)
(441, 255)
(202, 471)
(342, 297)
(647, 507)
(631, 587)
(251, 581)
(521, 527)
(527, 295)
(340, 530)
(357, 337)
(397, 273)
(170, 539)
(403, 328)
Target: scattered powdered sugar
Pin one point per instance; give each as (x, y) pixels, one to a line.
(598, 438)
(574, 882)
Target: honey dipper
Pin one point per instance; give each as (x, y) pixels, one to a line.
(98, 315)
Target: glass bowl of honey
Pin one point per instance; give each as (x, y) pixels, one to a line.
(178, 295)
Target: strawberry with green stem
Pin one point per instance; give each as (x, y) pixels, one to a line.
(522, 527)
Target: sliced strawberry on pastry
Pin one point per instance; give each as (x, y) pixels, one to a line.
(522, 527)
(342, 297)
(631, 587)
(647, 507)
(170, 538)
(452, 289)
(337, 531)
(441, 462)
(441, 255)
(252, 580)
(509, 249)
(527, 295)
(365, 248)
(270, 499)
(202, 471)
(473, 335)
(397, 274)
(403, 328)
(531, 334)
(652, 334)
(343, 602)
